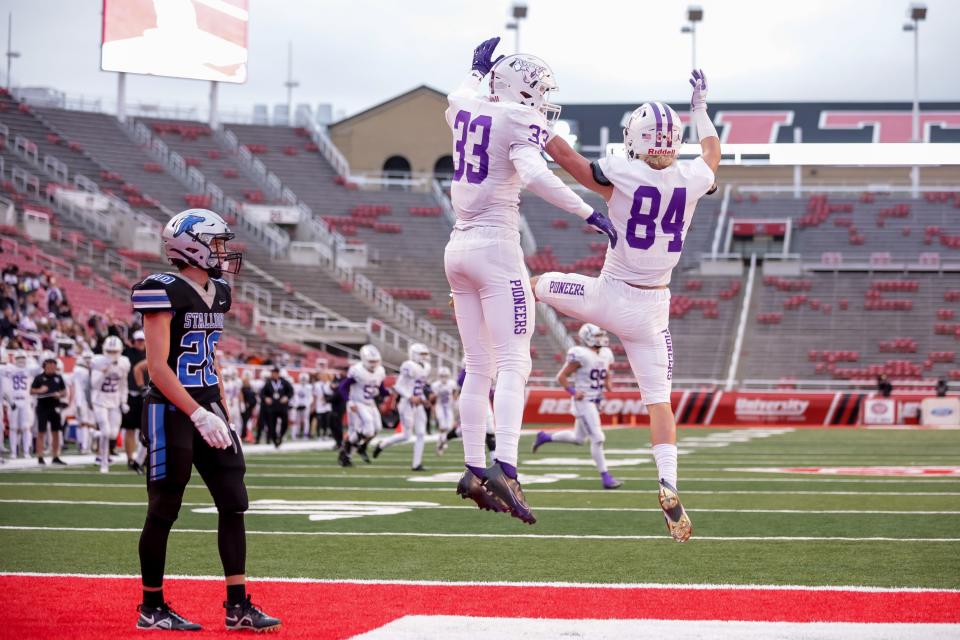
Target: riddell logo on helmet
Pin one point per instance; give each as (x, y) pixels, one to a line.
(653, 151)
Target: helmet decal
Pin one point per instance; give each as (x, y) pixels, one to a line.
(186, 224)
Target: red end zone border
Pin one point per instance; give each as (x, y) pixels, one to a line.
(93, 607)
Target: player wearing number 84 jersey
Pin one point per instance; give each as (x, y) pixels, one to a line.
(497, 141)
(651, 198)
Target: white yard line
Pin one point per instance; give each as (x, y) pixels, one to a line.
(107, 503)
(463, 583)
(495, 536)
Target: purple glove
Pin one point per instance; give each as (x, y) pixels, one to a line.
(482, 55)
(699, 83)
(602, 224)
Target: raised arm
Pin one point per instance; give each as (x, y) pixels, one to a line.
(579, 167)
(709, 140)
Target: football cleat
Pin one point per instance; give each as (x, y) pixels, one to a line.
(542, 438)
(609, 482)
(377, 450)
(470, 486)
(441, 445)
(507, 489)
(247, 616)
(59, 461)
(343, 458)
(133, 466)
(678, 523)
(163, 617)
(419, 467)
(362, 452)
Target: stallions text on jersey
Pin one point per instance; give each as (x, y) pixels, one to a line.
(651, 210)
(196, 324)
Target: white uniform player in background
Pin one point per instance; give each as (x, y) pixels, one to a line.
(361, 389)
(82, 400)
(108, 381)
(17, 378)
(302, 406)
(411, 405)
(652, 198)
(231, 389)
(322, 406)
(443, 398)
(589, 364)
(498, 140)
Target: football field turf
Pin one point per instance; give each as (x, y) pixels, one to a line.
(849, 508)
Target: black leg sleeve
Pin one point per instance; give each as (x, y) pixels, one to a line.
(232, 543)
(153, 550)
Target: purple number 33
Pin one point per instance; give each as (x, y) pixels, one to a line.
(477, 165)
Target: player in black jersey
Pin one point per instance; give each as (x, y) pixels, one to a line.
(184, 422)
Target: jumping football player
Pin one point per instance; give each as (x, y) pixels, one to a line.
(589, 364)
(413, 415)
(184, 416)
(498, 140)
(360, 390)
(652, 198)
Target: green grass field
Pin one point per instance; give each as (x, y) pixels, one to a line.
(749, 527)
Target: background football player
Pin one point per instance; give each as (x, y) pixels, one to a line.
(409, 387)
(108, 382)
(302, 409)
(16, 381)
(184, 418)
(652, 198)
(232, 386)
(443, 398)
(82, 396)
(360, 390)
(498, 140)
(589, 364)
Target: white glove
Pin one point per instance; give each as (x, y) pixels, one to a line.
(124, 408)
(212, 428)
(699, 83)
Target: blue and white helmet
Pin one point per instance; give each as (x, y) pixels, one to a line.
(525, 79)
(592, 336)
(653, 129)
(199, 238)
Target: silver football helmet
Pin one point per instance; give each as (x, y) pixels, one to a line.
(525, 79)
(591, 335)
(199, 238)
(370, 357)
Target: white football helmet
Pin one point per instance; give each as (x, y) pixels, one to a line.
(199, 238)
(525, 79)
(370, 357)
(591, 335)
(86, 358)
(304, 377)
(229, 373)
(418, 352)
(20, 359)
(443, 373)
(112, 348)
(653, 130)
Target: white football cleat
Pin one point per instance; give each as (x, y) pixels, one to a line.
(678, 522)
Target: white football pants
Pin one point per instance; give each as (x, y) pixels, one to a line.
(363, 423)
(586, 425)
(21, 418)
(414, 420)
(108, 422)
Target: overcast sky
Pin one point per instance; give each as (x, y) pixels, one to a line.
(356, 53)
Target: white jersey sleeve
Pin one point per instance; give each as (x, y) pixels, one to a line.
(366, 384)
(589, 378)
(651, 210)
(411, 380)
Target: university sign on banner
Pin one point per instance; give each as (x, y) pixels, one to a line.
(879, 411)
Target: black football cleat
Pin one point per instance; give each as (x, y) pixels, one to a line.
(377, 450)
(343, 458)
(419, 467)
(164, 618)
(246, 616)
(133, 466)
(678, 522)
(508, 490)
(362, 452)
(470, 486)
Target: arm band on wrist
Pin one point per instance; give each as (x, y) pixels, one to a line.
(571, 391)
(705, 128)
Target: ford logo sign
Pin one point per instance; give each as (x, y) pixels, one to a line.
(941, 411)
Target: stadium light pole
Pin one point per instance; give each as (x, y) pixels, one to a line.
(518, 12)
(290, 84)
(11, 54)
(694, 15)
(916, 12)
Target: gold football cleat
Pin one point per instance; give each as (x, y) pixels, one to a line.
(678, 522)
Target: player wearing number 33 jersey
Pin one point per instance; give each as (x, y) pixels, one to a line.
(651, 198)
(498, 138)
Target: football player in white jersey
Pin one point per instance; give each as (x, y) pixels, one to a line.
(589, 364)
(82, 395)
(361, 389)
(108, 381)
(498, 143)
(302, 406)
(443, 397)
(651, 198)
(17, 378)
(231, 391)
(411, 406)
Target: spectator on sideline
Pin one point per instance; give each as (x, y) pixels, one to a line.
(275, 404)
(49, 389)
(941, 387)
(248, 402)
(884, 386)
(338, 407)
(136, 353)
